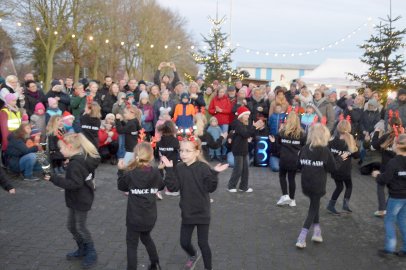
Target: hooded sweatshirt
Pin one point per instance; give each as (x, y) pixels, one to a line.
(395, 177)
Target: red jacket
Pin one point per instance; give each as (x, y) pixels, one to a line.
(103, 136)
(224, 103)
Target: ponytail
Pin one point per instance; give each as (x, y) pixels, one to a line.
(143, 156)
(79, 142)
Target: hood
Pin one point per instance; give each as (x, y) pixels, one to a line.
(91, 163)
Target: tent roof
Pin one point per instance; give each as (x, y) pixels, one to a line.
(334, 72)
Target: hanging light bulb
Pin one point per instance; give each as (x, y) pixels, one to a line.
(122, 43)
(37, 29)
(137, 44)
(179, 47)
(107, 41)
(91, 38)
(55, 33)
(152, 46)
(192, 47)
(19, 24)
(73, 35)
(166, 46)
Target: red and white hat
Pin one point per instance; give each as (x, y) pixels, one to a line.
(242, 110)
(66, 115)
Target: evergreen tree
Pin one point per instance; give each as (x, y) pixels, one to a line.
(217, 57)
(382, 54)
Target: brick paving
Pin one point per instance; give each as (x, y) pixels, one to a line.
(248, 231)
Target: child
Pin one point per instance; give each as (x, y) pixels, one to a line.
(163, 117)
(168, 146)
(53, 109)
(90, 122)
(184, 112)
(394, 177)
(141, 181)
(275, 123)
(4, 183)
(147, 111)
(289, 142)
(68, 119)
(343, 142)
(79, 194)
(195, 180)
(206, 138)
(77, 104)
(215, 131)
(108, 145)
(118, 108)
(38, 119)
(315, 160)
(384, 145)
(242, 135)
(130, 129)
(309, 116)
(35, 139)
(55, 129)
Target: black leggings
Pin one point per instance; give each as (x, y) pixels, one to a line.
(291, 179)
(313, 214)
(77, 226)
(186, 231)
(340, 186)
(132, 245)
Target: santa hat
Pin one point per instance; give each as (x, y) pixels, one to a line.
(67, 115)
(52, 102)
(39, 106)
(242, 110)
(10, 97)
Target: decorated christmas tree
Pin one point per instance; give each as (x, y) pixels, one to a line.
(384, 54)
(217, 57)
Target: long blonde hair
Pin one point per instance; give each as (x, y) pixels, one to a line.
(197, 145)
(292, 127)
(78, 142)
(401, 143)
(200, 122)
(53, 125)
(344, 129)
(318, 135)
(95, 109)
(135, 111)
(143, 156)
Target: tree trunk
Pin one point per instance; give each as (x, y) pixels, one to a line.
(49, 70)
(95, 69)
(76, 71)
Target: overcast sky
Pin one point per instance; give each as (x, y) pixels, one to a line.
(289, 26)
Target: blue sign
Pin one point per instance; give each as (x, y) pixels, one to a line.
(262, 150)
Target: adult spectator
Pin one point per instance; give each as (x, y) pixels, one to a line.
(10, 118)
(200, 83)
(122, 83)
(94, 93)
(305, 96)
(331, 96)
(154, 94)
(232, 96)
(325, 108)
(110, 99)
(398, 105)
(163, 104)
(11, 86)
(258, 105)
(62, 98)
(196, 97)
(32, 96)
(21, 158)
(177, 91)
(69, 86)
(367, 94)
(292, 93)
(370, 116)
(77, 104)
(355, 111)
(238, 85)
(280, 100)
(105, 89)
(208, 95)
(131, 86)
(170, 85)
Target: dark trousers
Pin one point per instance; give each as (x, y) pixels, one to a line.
(313, 214)
(240, 170)
(107, 151)
(340, 186)
(77, 226)
(380, 190)
(186, 231)
(291, 179)
(133, 238)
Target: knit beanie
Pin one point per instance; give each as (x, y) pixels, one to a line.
(10, 97)
(35, 132)
(39, 106)
(52, 102)
(144, 94)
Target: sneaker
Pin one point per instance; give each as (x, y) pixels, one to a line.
(401, 253)
(31, 179)
(172, 193)
(292, 203)
(380, 213)
(159, 195)
(191, 262)
(285, 199)
(232, 190)
(317, 238)
(300, 244)
(249, 190)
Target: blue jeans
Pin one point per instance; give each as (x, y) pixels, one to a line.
(274, 163)
(121, 146)
(395, 212)
(215, 152)
(230, 159)
(28, 164)
(224, 128)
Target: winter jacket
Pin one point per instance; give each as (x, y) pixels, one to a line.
(326, 109)
(224, 103)
(77, 105)
(79, 193)
(356, 117)
(169, 146)
(108, 103)
(170, 86)
(195, 182)
(215, 132)
(256, 114)
(64, 99)
(53, 148)
(239, 145)
(395, 177)
(369, 120)
(207, 142)
(306, 120)
(130, 130)
(183, 115)
(15, 150)
(141, 185)
(160, 106)
(198, 103)
(147, 118)
(103, 136)
(51, 112)
(315, 163)
(275, 121)
(289, 148)
(31, 99)
(38, 121)
(90, 128)
(386, 154)
(338, 147)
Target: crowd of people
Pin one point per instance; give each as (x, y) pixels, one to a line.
(182, 126)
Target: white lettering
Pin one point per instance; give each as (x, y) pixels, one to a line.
(314, 163)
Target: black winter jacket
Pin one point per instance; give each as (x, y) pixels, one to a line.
(64, 99)
(208, 142)
(288, 149)
(339, 147)
(90, 128)
(387, 154)
(169, 146)
(395, 177)
(130, 130)
(108, 103)
(239, 145)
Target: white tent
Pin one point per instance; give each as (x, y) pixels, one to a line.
(333, 72)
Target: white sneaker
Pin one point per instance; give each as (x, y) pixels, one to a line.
(300, 245)
(172, 193)
(317, 238)
(292, 203)
(233, 190)
(248, 190)
(285, 199)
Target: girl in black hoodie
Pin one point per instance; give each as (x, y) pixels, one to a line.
(315, 160)
(343, 142)
(289, 141)
(195, 180)
(90, 122)
(141, 181)
(395, 178)
(79, 194)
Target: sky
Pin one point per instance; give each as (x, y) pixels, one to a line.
(290, 27)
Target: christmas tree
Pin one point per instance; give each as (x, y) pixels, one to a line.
(217, 57)
(382, 53)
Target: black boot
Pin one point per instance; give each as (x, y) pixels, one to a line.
(78, 254)
(346, 206)
(90, 256)
(113, 160)
(154, 266)
(332, 207)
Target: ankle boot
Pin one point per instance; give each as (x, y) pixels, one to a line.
(154, 266)
(90, 256)
(78, 254)
(332, 207)
(346, 206)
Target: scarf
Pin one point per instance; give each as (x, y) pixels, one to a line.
(34, 95)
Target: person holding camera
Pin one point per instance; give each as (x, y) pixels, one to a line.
(170, 85)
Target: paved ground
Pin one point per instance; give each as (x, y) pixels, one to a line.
(248, 231)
